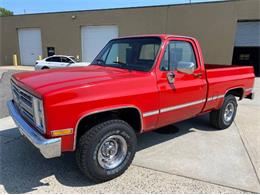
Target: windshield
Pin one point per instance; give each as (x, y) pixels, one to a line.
(130, 53)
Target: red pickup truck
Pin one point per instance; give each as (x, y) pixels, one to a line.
(134, 85)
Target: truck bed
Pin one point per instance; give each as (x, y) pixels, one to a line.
(222, 78)
(218, 66)
(218, 70)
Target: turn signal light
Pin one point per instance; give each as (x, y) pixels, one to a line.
(61, 132)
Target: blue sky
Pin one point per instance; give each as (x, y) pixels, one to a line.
(41, 6)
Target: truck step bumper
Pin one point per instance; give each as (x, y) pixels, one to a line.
(49, 148)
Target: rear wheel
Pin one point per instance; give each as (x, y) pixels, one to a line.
(106, 150)
(223, 118)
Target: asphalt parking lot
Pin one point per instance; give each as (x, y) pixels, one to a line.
(188, 157)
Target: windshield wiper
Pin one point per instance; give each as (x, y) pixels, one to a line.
(100, 61)
(123, 65)
(120, 63)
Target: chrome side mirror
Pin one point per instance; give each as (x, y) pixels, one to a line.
(170, 77)
(186, 67)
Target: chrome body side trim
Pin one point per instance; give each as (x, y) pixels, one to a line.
(49, 148)
(151, 113)
(215, 97)
(167, 109)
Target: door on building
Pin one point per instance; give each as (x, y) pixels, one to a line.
(247, 45)
(94, 38)
(30, 45)
(247, 56)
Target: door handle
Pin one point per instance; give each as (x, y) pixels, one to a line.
(198, 75)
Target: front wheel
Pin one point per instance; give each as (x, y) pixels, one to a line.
(106, 150)
(223, 118)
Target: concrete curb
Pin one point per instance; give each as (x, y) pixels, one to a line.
(28, 68)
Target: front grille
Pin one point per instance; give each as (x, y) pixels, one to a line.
(24, 102)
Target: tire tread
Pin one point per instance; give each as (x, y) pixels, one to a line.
(216, 117)
(84, 144)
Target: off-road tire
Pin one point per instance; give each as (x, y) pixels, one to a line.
(217, 118)
(89, 143)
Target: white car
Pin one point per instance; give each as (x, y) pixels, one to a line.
(58, 61)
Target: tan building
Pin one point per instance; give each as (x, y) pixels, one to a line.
(227, 31)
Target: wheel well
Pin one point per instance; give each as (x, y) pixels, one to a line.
(45, 67)
(130, 115)
(238, 92)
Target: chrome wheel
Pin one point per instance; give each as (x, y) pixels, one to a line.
(229, 112)
(112, 152)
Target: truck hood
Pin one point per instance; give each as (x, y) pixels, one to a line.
(44, 81)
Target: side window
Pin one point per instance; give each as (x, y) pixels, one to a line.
(66, 60)
(54, 59)
(178, 51)
(49, 59)
(181, 51)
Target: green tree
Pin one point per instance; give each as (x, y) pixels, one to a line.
(5, 12)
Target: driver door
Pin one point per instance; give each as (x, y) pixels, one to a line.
(186, 95)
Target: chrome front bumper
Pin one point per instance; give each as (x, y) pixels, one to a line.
(49, 148)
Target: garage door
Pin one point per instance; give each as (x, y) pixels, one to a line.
(247, 45)
(248, 34)
(30, 45)
(94, 38)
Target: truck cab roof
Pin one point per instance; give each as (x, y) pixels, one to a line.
(162, 36)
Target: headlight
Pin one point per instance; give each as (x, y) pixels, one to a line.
(39, 114)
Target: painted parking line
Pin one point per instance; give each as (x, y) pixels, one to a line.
(6, 123)
(8, 130)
